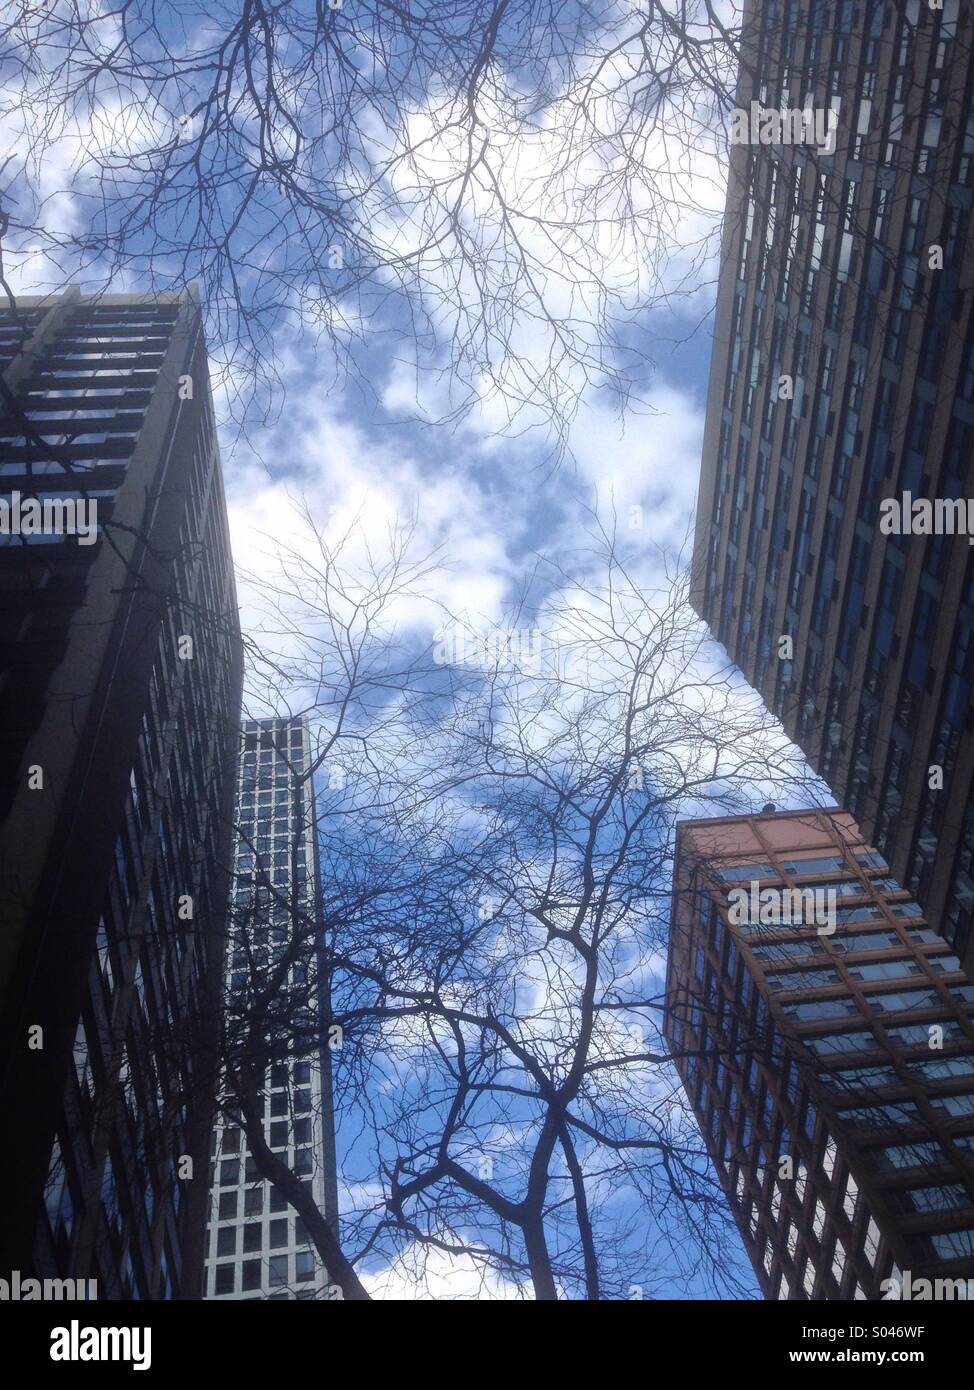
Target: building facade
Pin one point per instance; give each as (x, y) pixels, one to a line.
(120, 680)
(824, 1036)
(842, 382)
(258, 1247)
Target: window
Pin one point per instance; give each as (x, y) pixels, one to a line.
(251, 1274)
(895, 1003)
(228, 1206)
(278, 1234)
(850, 1197)
(871, 1241)
(832, 1043)
(952, 1245)
(226, 1240)
(225, 1278)
(944, 1068)
(804, 979)
(743, 871)
(860, 1079)
(864, 941)
(954, 1105)
(835, 863)
(902, 1113)
(944, 1198)
(252, 1236)
(906, 1156)
(884, 970)
(821, 1008)
(277, 1265)
(920, 1034)
(304, 1265)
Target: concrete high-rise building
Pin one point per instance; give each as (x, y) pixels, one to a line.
(120, 678)
(843, 377)
(257, 1246)
(824, 1035)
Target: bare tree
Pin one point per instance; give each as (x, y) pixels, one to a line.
(491, 191)
(496, 866)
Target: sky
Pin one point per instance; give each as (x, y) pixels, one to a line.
(365, 451)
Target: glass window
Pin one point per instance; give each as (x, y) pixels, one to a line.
(903, 1001)
(883, 969)
(944, 1198)
(871, 1241)
(821, 1008)
(804, 979)
(952, 1245)
(905, 1156)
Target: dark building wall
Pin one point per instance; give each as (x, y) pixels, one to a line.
(137, 747)
(829, 1063)
(826, 279)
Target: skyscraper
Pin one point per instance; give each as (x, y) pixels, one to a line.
(843, 380)
(119, 710)
(257, 1246)
(824, 1035)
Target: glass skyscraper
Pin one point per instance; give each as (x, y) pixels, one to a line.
(842, 379)
(257, 1245)
(825, 1038)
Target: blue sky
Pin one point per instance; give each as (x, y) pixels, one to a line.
(492, 504)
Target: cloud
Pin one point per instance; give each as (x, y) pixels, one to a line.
(423, 1273)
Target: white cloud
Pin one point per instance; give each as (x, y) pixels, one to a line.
(428, 1273)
